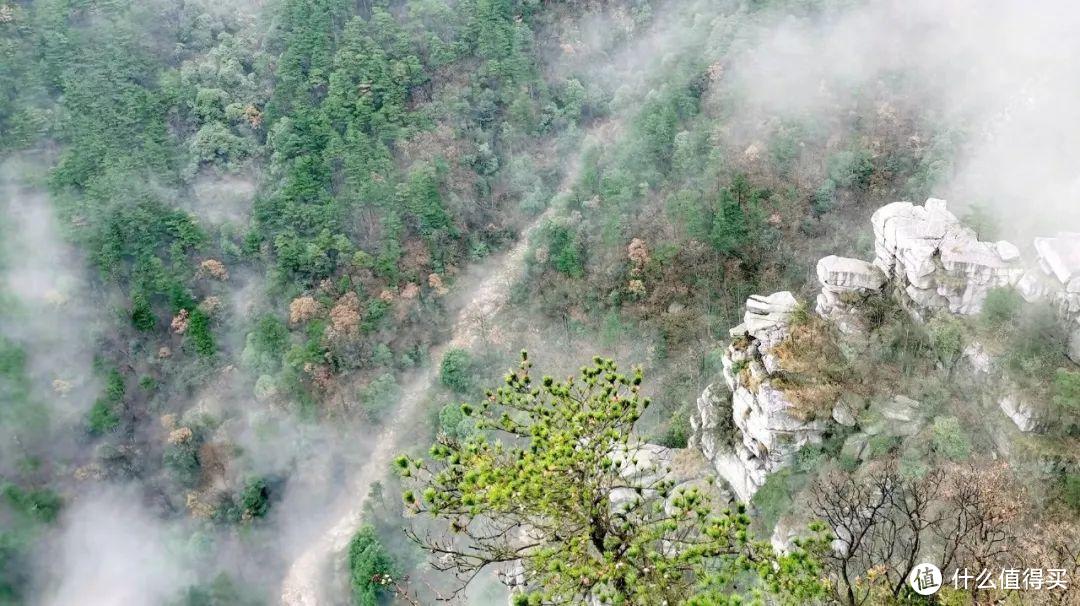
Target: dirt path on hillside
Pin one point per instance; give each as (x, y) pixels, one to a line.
(489, 283)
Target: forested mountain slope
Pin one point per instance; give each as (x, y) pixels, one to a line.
(252, 251)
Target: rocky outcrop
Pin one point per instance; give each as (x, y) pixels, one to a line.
(1023, 414)
(843, 282)
(935, 263)
(766, 318)
(928, 261)
(767, 433)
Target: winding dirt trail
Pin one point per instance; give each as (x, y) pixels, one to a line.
(311, 574)
(313, 577)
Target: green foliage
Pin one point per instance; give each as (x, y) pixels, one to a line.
(773, 499)
(1070, 491)
(1066, 390)
(881, 445)
(677, 433)
(102, 418)
(1001, 308)
(265, 344)
(457, 370)
(731, 222)
(851, 169)
(949, 439)
(379, 396)
(181, 459)
(455, 423)
(665, 543)
(565, 249)
(142, 314)
(222, 591)
(198, 333)
(20, 412)
(104, 415)
(40, 504)
(1034, 346)
(947, 338)
(255, 498)
(370, 568)
(824, 198)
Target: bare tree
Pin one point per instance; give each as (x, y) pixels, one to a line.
(880, 518)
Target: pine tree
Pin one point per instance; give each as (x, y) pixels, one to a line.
(543, 481)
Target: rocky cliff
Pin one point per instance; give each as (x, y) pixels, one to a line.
(926, 260)
(934, 263)
(764, 431)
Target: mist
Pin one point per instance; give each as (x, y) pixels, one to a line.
(998, 75)
(998, 78)
(113, 551)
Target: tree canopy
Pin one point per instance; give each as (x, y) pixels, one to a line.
(556, 479)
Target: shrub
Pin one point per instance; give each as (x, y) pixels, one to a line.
(1067, 389)
(182, 461)
(198, 332)
(41, 504)
(677, 434)
(1070, 491)
(453, 422)
(824, 197)
(456, 370)
(142, 315)
(1036, 346)
(947, 339)
(104, 415)
(369, 564)
(255, 498)
(1002, 306)
(851, 168)
(222, 591)
(773, 499)
(103, 419)
(379, 396)
(949, 439)
(881, 445)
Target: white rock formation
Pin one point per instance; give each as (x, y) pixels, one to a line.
(1023, 414)
(768, 433)
(931, 263)
(935, 262)
(766, 315)
(842, 279)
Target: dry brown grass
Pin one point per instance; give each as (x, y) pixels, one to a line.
(813, 370)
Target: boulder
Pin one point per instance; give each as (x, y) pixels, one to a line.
(840, 276)
(896, 416)
(1059, 256)
(849, 274)
(854, 446)
(845, 412)
(1023, 414)
(765, 315)
(899, 408)
(977, 356)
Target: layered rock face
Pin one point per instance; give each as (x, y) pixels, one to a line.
(767, 433)
(840, 278)
(936, 263)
